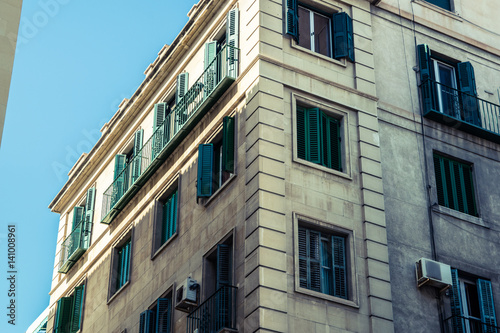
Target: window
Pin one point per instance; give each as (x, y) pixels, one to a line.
(216, 160)
(165, 219)
(448, 87)
(472, 305)
(318, 138)
(322, 262)
(454, 184)
(69, 312)
(327, 34)
(157, 319)
(445, 4)
(120, 269)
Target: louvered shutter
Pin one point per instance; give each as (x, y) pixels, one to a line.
(211, 68)
(301, 133)
(292, 19)
(313, 249)
(163, 315)
(137, 159)
(339, 267)
(330, 144)
(440, 181)
(89, 217)
(223, 265)
(469, 195)
(158, 128)
(486, 306)
(123, 265)
(146, 322)
(228, 144)
(119, 185)
(76, 318)
(205, 170)
(169, 221)
(456, 304)
(64, 314)
(426, 77)
(303, 267)
(343, 41)
(232, 37)
(467, 84)
(182, 86)
(78, 213)
(326, 267)
(314, 134)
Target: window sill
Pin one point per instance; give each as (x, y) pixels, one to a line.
(322, 168)
(438, 9)
(459, 215)
(118, 292)
(164, 245)
(220, 189)
(330, 298)
(296, 46)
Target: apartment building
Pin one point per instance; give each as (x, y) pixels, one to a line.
(437, 72)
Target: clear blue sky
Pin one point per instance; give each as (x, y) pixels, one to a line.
(75, 62)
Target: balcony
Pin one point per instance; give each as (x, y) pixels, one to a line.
(214, 81)
(216, 314)
(75, 245)
(456, 324)
(460, 110)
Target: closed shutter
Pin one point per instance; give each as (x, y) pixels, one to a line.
(160, 111)
(456, 304)
(119, 184)
(78, 213)
(331, 157)
(301, 133)
(326, 267)
(210, 65)
(223, 298)
(440, 181)
(343, 41)
(303, 271)
(426, 75)
(467, 84)
(314, 266)
(339, 267)
(64, 314)
(163, 315)
(228, 144)
(232, 37)
(146, 322)
(486, 306)
(123, 265)
(76, 320)
(205, 170)
(292, 19)
(314, 135)
(169, 222)
(470, 197)
(137, 162)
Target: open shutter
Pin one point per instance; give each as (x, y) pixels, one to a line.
(292, 19)
(210, 65)
(89, 217)
(119, 185)
(163, 315)
(301, 133)
(160, 111)
(232, 37)
(76, 318)
(136, 164)
(440, 181)
(343, 41)
(123, 265)
(470, 197)
(223, 265)
(314, 133)
(228, 144)
(146, 322)
(467, 83)
(456, 304)
(169, 221)
(205, 169)
(339, 267)
(426, 76)
(78, 213)
(63, 314)
(486, 306)
(330, 134)
(182, 86)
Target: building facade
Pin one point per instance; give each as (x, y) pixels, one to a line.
(250, 183)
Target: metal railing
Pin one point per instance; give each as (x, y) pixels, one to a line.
(457, 324)
(215, 79)
(216, 313)
(460, 108)
(75, 245)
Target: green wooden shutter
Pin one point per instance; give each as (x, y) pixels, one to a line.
(486, 306)
(440, 181)
(211, 68)
(326, 267)
(123, 265)
(228, 144)
(76, 318)
(343, 40)
(205, 170)
(456, 304)
(467, 84)
(301, 133)
(64, 314)
(313, 256)
(339, 267)
(426, 75)
(182, 86)
(469, 195)
(303, 267)
(158, 129)
(223, 265)
(292, 19)
(89, 217)
(163, 315)
(146, 322)
(137, 159)
(314, 135)
(119, 184)
(232, 37)
(169, 222)
(331, 149)
(78, 213)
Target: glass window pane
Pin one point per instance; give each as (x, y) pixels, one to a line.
(322, 37)
(304, 28)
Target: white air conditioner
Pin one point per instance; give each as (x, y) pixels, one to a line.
(186, 295)
(433, 273)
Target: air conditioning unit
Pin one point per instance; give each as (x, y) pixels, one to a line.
(186, 295)
(433, 273)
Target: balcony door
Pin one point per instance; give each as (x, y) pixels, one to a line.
(446, 86)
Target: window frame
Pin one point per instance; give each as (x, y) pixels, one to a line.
(341, 116)
(169, 294)
(126, 237)
(312, 13)
(81, 284)
(329, 229)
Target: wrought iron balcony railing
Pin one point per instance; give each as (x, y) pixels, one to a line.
(456, 324)
(75, 245)
(461, 110)
(214, 81)
(215, 314)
